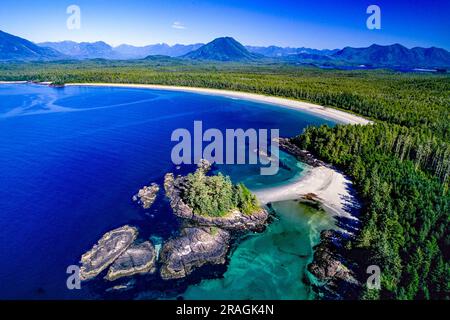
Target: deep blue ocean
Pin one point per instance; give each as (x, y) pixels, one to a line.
(72, 158)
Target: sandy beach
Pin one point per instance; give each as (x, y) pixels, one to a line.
(330, 188)
(13, 82)
(329, 113)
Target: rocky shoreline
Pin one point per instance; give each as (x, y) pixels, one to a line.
(304, 156)
(205, 239)
(336, 279)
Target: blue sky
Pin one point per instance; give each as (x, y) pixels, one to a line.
(313, 23)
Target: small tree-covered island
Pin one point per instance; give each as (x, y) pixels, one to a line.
(212, 209)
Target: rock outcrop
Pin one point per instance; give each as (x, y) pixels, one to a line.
(235, 220)
(106, 251)
(137, 259)
(147, 195)
(195, 247)
(302, 155)
(328, 266)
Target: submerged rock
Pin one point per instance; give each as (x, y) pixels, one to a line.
(195, 247)
(137, 259)
(106, 251)
(122, 287)
(147, 195)
(235, 220)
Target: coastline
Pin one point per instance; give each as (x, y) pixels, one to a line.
(329, 186)
(14, 82)
(330, 113)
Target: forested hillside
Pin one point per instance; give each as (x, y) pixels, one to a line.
(406, 208)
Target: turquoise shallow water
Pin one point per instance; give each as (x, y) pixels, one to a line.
(271, 265)
(290, 169)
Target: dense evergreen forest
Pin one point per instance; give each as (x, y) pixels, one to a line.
(400, 164)
(216, 195)
(406, 206)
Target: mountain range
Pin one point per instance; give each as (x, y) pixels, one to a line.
(177, 50)
(82, 50)
(102, 50)
(225, 49)
(85, 50)
(395, 55)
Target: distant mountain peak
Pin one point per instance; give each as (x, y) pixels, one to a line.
(222, 49)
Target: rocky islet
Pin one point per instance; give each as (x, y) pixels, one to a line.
(203, 239)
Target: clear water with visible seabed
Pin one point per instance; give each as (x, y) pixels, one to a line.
(271, 265)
